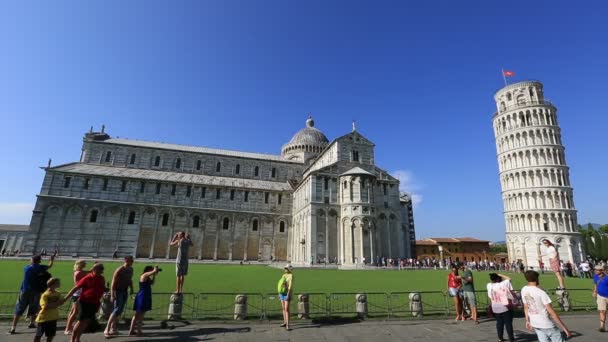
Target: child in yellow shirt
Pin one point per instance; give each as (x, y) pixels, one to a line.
(50, 301)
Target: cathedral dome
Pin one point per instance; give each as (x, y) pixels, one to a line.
(309, 135)
(308, 139)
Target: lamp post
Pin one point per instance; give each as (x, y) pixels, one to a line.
(440, 247)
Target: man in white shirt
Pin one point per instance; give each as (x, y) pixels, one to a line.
(537, 308)
(584, 269)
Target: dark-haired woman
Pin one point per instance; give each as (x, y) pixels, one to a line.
(143, 299)
(500, 292)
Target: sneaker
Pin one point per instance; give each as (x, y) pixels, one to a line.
(602, 329)
(32, 325)
(11, 331)
(67, 332)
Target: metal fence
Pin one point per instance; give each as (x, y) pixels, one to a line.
(394, 305)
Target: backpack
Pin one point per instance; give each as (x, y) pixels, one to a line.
(282, 286)
(39, 280)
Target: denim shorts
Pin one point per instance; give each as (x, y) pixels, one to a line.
(549, 335)
(120, 301)
(28, 299)
(283, 297)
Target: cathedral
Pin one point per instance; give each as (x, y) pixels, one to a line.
(318, 201)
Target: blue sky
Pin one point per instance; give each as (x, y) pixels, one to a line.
(417, 76)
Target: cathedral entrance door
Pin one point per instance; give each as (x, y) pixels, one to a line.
(266, 250)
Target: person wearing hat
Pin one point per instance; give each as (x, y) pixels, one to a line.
(600, 292)
(285, 289)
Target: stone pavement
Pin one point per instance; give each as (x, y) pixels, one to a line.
(583, 326)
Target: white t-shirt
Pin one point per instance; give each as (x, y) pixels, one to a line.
(551, 252)
(585, 267)
(499, 294)
(536, 299)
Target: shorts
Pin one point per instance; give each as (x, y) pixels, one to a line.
(120, 301)
(181, 268)
(48, 329)
(601, 303)
(87, 311)
(283, 297)
(469, 296)
(28, 299)
(453, 292)
(554, 265)
(549, 335)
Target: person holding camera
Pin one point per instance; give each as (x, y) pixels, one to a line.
(143, 299)
(183, 242)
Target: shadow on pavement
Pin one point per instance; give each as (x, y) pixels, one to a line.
(201, 334)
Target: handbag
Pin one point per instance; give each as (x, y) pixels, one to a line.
(489, 311)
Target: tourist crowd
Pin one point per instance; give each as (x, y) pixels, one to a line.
(39, 295)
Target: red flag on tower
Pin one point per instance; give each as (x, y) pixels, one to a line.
(508, 73)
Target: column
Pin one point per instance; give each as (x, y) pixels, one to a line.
(342, 256)
(570, 253)
(247, 241)
(371, 244)
(327, 233)
(274, 257)
(523, 249)
(83, 217)
(311, 242)
(157, 222)
(100, 218)
(362, 250)
(203, 230)
(388, 229)
(171, 232)
(217, 236)
(120, 222)
(62, 224)
(232, 229)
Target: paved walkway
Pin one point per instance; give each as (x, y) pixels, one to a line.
(583, 326)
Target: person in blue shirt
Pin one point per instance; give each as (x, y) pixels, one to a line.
(29, 296)
(600, 292)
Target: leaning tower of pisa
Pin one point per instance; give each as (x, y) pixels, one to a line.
(534, 176)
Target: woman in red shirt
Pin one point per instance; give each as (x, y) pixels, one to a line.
(93, 286)
(454, 284)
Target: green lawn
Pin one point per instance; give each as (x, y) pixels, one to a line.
(260, 283)
(263, 279)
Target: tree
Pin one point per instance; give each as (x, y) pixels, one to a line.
(604, 251)
(495, 249)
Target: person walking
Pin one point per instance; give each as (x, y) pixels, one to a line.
(500, 292)
(78, 274)
(122, 281)
(143, 299)
(285, 289)
(468, 288)
(93, 285)
(46, 321)
(554, 263)
(538, 311)
(31, 289)
(600, 292)
(454, 288)
(183, 242)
